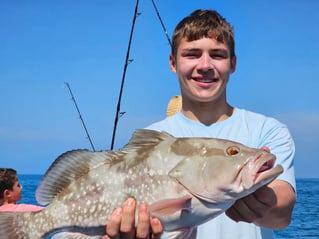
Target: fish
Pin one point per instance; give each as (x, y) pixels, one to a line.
(185, 181)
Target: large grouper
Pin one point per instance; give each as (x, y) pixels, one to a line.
(185, 181)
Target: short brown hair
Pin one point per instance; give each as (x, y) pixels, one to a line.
(8, 177)
(204, 23)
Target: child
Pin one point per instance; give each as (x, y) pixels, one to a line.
(10, 193)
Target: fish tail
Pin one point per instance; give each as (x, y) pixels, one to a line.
(9, 228)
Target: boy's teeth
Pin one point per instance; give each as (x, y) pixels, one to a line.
(204, 80)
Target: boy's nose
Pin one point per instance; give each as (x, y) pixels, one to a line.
(205, 62)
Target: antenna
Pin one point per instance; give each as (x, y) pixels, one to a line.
(77, 108)
(118, 113)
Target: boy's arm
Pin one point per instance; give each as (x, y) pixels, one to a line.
(270, 206)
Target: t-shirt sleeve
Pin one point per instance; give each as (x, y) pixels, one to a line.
(278, 138)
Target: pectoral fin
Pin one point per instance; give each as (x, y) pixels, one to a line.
(170, 206)
(70, 235)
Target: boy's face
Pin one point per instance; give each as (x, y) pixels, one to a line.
(203, 67)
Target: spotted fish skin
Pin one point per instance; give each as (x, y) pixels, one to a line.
(186, 181)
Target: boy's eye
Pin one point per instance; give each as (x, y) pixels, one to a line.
(219, 55)
(191, 55)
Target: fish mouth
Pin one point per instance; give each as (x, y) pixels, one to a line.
(265, 168)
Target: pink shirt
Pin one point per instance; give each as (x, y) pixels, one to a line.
(10, 207)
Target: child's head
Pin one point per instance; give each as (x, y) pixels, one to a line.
(204, 23)
(10, 189)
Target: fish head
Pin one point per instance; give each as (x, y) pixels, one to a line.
(219, 170)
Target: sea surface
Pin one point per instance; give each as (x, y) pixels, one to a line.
(305, 221)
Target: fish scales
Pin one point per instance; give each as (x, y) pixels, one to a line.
(186, 181)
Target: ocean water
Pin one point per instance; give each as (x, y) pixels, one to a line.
(305, 221)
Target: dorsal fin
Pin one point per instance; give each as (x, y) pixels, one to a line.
(145, 138)
(67, 168)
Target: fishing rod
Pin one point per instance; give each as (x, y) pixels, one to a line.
(118, 113)
(163, 26)
(77, 108)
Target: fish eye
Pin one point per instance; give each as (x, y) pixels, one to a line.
(232, 150)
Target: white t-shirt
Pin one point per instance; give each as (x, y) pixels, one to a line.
(253, 130)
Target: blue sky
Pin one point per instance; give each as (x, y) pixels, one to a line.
(44, 44)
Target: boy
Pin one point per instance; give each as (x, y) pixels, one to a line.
(203, 57)
(10, 193)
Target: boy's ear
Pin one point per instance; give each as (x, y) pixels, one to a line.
(233, 63)
(6, 193)
(172, 63)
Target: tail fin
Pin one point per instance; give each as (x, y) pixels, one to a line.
(9, 228)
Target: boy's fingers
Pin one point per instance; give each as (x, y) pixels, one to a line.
(157, 228)
(143, 225)
(114, 224)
